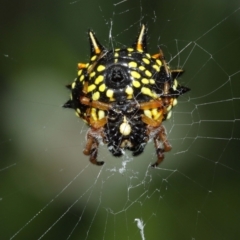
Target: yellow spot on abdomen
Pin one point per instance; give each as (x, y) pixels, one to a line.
(96, 96)
(156, 67)
(129, 90)
(81, 78)
(146, 60)
(99, 79)
(152, 81)
(92, 74)
(132, 64)
(101, 68)
(93, 58)
(91, 88)
(73, 85)
(136, 84)
(135, 74)
(102, 87)
(148, 92)
(159, 62)
(89, 66)
(145, 81)
(110, 93)
(148, 73)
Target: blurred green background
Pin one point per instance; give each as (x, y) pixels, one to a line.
(48, 189)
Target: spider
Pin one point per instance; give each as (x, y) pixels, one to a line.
(124, 95)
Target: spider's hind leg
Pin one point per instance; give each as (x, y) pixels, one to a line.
(91, 147)
(162, 145)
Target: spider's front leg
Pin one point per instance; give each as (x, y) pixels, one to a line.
(155, 127)
(161, 144)
(96, 132)
(92, 144)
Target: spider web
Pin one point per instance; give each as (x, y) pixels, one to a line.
(48, 188)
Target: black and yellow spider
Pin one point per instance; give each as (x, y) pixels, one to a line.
(124, 95)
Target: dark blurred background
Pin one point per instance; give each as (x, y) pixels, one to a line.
(48, 189)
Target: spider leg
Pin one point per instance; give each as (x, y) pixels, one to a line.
(151, 104)
(91, 147)
(154, 122)
(96, 130)
(162, 145)
(95, 104)
(163, 138)
(160, 155)
(89, 116)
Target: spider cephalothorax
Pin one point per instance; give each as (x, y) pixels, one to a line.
(124, 95)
